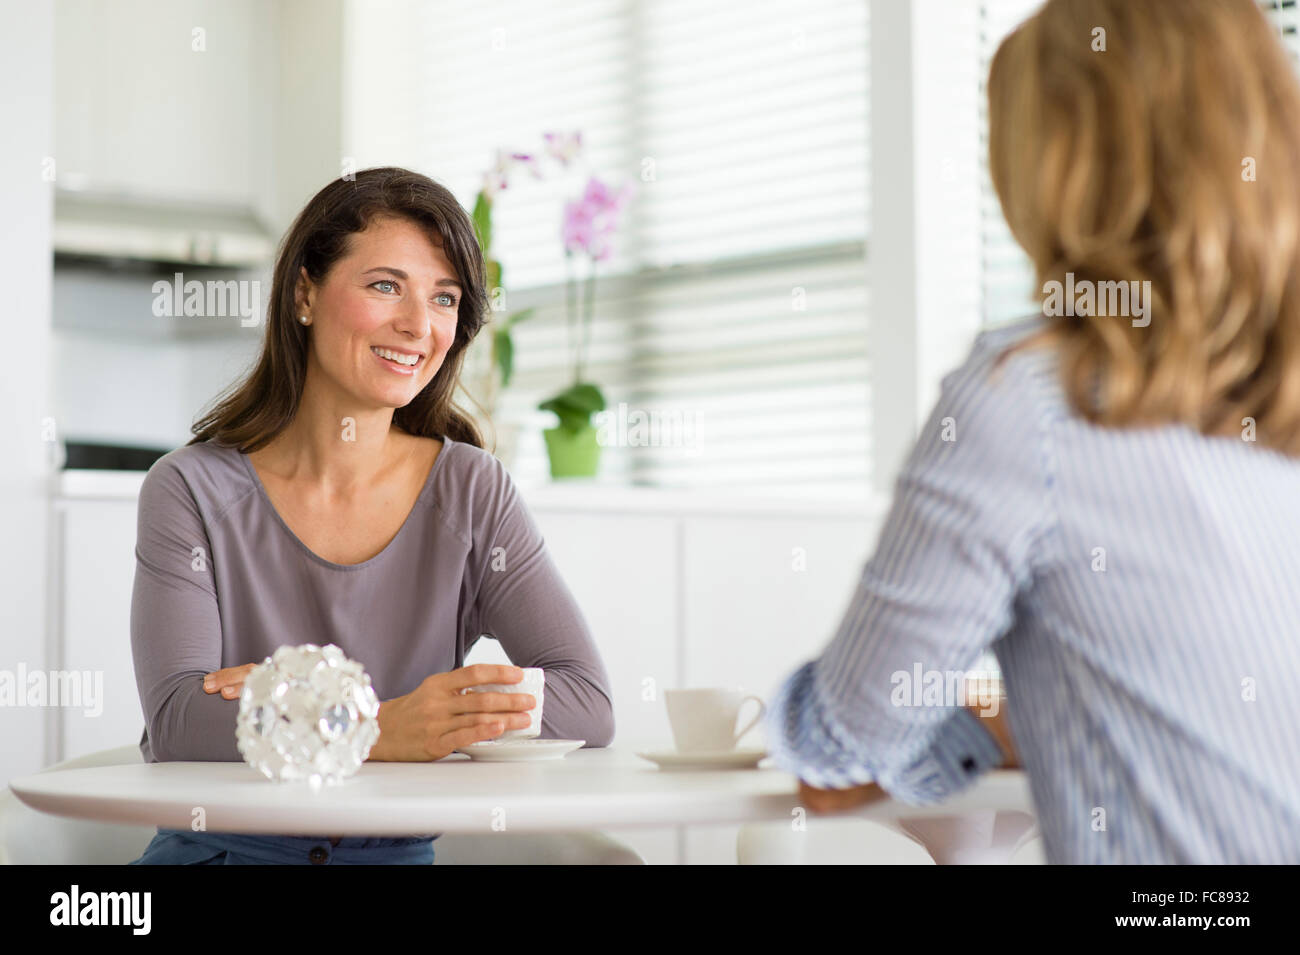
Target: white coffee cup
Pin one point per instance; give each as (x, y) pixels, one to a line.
(704, 720)
(534, 682)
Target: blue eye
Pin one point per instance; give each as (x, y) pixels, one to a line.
(451, 299)
(384, 282)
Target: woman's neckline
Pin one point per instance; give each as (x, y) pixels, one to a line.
(424, 490)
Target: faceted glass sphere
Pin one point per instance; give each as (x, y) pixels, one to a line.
(308, 713)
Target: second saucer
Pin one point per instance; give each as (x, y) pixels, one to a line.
(728, 759)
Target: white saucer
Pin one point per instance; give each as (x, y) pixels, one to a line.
(520, 750)
(726, 759)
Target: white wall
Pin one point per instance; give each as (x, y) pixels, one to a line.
(268, 87)
(308, 104)
(26, 115)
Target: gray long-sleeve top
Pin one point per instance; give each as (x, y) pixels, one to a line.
(222, 581)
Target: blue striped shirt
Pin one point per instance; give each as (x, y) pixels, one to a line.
(1141, 592)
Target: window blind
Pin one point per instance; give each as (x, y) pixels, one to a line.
(1286, 17)
(730, 331)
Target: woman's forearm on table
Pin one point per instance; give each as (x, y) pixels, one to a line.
(194, 725)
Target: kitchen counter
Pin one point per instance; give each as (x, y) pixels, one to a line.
(580, 495)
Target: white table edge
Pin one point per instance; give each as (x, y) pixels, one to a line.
(1005, 790)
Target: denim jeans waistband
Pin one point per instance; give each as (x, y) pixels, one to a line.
(273, 848)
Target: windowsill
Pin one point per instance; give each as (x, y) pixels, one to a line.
(593, 495)
(572, 495)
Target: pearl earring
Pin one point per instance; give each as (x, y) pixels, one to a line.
(304, 319)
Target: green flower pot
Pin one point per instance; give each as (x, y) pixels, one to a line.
(573, 454)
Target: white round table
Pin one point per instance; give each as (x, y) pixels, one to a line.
(587, 789)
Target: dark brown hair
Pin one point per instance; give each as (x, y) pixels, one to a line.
(251, 413)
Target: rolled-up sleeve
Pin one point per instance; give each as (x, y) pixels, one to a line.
(965, 532)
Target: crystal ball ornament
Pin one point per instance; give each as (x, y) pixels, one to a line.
(308, 713)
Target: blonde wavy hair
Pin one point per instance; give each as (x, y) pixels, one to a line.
(1134, 163)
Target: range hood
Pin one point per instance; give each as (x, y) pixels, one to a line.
(118, 226)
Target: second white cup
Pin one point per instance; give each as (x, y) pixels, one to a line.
(704, 720)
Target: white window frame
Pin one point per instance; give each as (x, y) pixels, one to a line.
(924, 177)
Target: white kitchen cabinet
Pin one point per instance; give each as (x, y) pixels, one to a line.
(622, 569)
(95, 546)
(762, 596)
(141, 111)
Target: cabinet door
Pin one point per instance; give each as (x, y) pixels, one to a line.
(766, 594)
(622, 571)
(141, 109)
(763, 595)
(97, 557)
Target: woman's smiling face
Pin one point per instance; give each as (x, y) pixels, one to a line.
(392, 299)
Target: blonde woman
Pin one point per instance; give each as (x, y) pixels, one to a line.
(1108, 493)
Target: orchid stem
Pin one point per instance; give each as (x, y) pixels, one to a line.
(569, 293)
(586, 325)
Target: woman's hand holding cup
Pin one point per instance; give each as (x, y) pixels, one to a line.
(438, 717)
